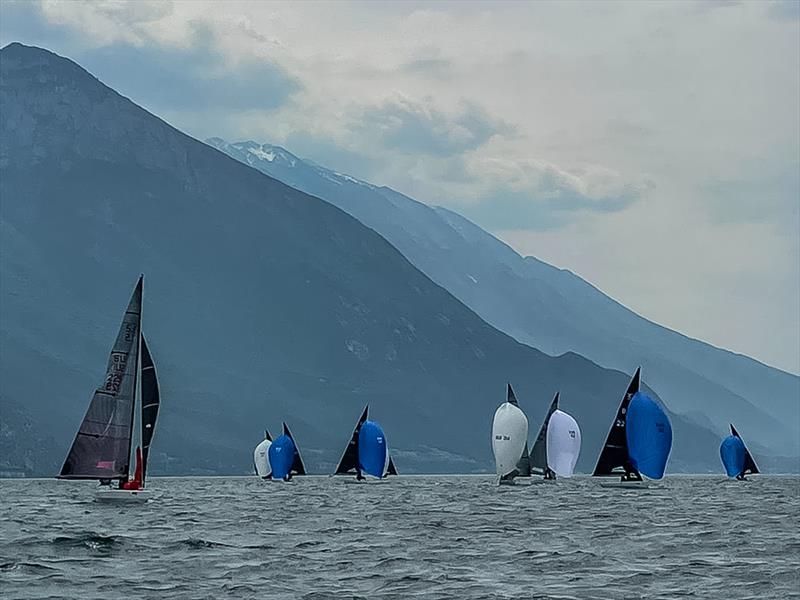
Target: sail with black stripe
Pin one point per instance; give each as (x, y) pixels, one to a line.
(151, 400)
(539, 453)
(349, 461)
(614, 459)
(102, 446)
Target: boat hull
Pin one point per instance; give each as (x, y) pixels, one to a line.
(116, 496)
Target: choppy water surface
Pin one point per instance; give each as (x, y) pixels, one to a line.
(410, 537)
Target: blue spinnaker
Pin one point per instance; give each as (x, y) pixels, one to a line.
(649, 436)
(281, 456)
(372, 449)
(732, 452)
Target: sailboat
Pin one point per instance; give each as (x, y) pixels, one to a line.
(509, 438)
(639, 441)
(102, 447)
(260, 457)
(367, 452)
(284, 458)
(736, 457)
(539, 464)
(557, 446)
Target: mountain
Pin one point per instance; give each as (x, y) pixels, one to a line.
(553, 309)
(261, 303)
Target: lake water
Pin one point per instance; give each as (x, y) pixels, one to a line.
(409, 537)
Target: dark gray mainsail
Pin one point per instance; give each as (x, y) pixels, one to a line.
(297, 468)
(349, 461)
(102, 446)
(524, 464)
(151, 400)
(613, 459)
(539, 452)
(750, 467)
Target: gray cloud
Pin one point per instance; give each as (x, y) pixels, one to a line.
(413, 127)
(785, 10)
(773, 199)
(550, 206)
(194, 78)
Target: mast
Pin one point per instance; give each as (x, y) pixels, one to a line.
(101, 449)
(613, 459)
(349, 461)
(539, 452)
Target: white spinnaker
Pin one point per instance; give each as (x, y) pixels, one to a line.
(261, 458)
(563, 443)
(509, 434)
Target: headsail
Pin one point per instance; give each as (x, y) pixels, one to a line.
(150, 403)
(349, 461)
(102, 446)
(391, 469)
(649, 436)
(261, 458)
(281, 455)
(298, 468)
(509, 434)
(750, 467)
(563, 443)
(539, 463)
(613, 459)
(372, 449)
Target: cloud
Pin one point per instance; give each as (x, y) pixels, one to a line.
(784, 10)
(564, 127)
(193, 78)
(537, 195)
(186, 72)
(404, 125)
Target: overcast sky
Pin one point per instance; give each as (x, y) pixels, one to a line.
(652, 148)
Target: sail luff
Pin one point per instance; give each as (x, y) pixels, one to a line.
(614, 454)
(101, 448)
(349, 461)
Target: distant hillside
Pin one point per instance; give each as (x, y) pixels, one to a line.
(261, 303)
(554, 310)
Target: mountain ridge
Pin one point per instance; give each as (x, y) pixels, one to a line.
(443, 245)
(261, 303)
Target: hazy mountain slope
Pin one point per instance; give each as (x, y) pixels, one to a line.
(261, 303)
(552, 309)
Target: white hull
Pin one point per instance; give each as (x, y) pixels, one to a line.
(628, 485)
(116, 496)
